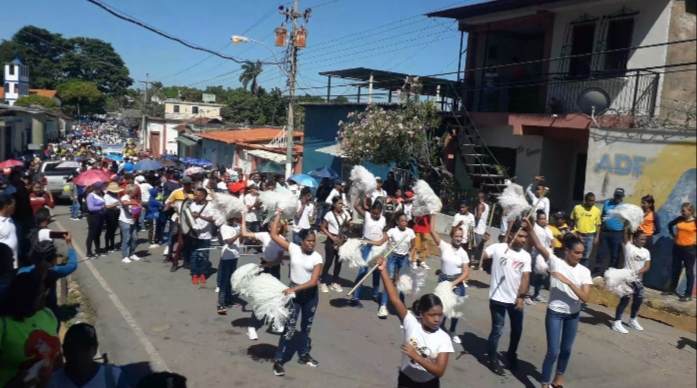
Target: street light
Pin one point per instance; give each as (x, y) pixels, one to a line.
(243, 39)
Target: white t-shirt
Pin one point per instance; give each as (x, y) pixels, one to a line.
(483, 218)
(373, 229)
(406, 208)
(562, 298)
(451, 259)
(109, 200)
(204, 228)
(253, 213)
(395, 235)
(301, 265)
(468, 224)
(44, 234)
(376, 194)
(145, 191)
(8, 235)
(634, 257)
(332, 194)
(270, 248)
(222, 186)
(125, 211)
(304, 221)
(332, 218)
(507, 270)
(230, 251)
(545, 235)
(428, 344)
(60, 380)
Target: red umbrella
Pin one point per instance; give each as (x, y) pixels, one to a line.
(9, 163)
(90, 177)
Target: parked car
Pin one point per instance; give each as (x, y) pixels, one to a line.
(56, 178)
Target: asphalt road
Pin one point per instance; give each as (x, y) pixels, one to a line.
(151, 319)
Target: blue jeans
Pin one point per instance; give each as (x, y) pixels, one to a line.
(199, 257)
(459, 290)
(305, 302)
(609, 241)
(129, 238)
(537, 281)
(588, 240)
(322, 209)
(225, 270)
(75, 210)
(498, 318)
(365, 251)
(564, 326)
(394, 263)
(637, 300)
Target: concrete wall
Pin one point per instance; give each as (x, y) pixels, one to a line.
(217, 152)
(529, 149)
(186, 107)
(661, 163)
(558, 166)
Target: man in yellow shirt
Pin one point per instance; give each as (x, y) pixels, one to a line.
(175, 200)
(586, 221)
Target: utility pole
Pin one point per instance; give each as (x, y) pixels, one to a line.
(144, 142)
(293, 15)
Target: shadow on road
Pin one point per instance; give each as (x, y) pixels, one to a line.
(262, 352)
(242, 322)
(136, 371)
(596, 317)
(476, 284)
(339, 302)
(686, 342)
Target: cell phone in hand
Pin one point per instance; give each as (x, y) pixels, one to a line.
(57, 234)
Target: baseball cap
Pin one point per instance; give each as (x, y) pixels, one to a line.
(140, 179)
(186, 180)
(378, 179)
(338, 182)
(619, 192)
(409, 194)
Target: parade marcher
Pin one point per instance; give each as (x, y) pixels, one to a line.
(230, 232)
(570, 288)
(454, 267)
(201, 235)
(305, 269)
(510, 279)
(546, 237)
(127, 223)
(638, 259)
(481, 216)
(683, 229)
(402, 238)
(586, 221)
(335, 227)
(538, 199)
(610, 234)
(426, 347)
(306, 208)
(373, 234)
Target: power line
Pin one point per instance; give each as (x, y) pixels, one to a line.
(422, 47)
(137, 22)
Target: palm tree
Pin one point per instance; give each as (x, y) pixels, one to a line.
(251, 71)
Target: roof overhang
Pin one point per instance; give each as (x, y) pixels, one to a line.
(485, 8)
(268, 155)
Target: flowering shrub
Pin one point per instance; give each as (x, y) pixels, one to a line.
(403, 135)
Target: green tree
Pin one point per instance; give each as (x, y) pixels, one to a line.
(96, 61)
(340, 100)
(35, 99)
(39, 49)
(250, 72)
(80, 97)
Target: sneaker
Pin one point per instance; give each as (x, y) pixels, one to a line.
(512, 361)
(456, 339)
(217, 290)
(174, 267)
(252, 334)
(91, 256)
(356, 303)
(685, 298)
(529, 302)
(278, 369)
(323, 287)
(539, 299)
(618, 327)
(222, 310)
(279, 330)
(414, 265)
(126, 260)
(307, 360)
(382, 312)
(166, 250)
(336, 287)
(202, 278)
(634, 324)
(154, 246)
(135, 258)
(425, 266)
(194, 280)
(495, 367)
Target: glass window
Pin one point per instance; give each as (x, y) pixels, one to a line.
(194, 110)
(12, 69)
(176, 109)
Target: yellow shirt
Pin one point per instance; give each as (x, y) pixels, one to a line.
(586, 221)
(556, 233)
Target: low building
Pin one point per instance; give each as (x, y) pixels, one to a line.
(187, 110)
(24, 127)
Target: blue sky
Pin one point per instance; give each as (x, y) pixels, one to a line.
(411, 43)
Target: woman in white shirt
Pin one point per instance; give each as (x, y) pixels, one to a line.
(305, 268)
(399, 256)
(546, 237)
(426, 347)
(638, 259)
(373, 234)
(454, 267)
(333, 226)
(570, 286)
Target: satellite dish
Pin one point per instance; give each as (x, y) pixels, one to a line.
(593, 101)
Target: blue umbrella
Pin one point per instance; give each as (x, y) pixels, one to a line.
(323, 172)
(304, 180)
(189, 160)
(148, 165)
(115, 157)
(170, 157)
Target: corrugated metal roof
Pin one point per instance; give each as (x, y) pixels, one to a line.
(347, 103)
(254, 135)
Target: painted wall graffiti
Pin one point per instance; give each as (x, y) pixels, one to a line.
(660, 163)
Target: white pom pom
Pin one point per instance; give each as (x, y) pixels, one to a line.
(619, 281)
(450, 300)
(512, 200)
(410, 281)
(629, 213)
(280, 199)
(240, 279)
(363, 180)
(375, 252)
(228, 206)
(350, 253)
(268, 299)
(541, 266)
(425, 200)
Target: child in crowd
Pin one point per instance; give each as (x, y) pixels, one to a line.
(152, 215)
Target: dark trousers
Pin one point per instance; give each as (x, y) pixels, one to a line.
(225, 270)
(637, 300)
(609, 241)
(498, 318)
(112, 223)
(405, 381)
(305, 303)
(683, 255)
(95, 221)
(331, 256)
(150, 226)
